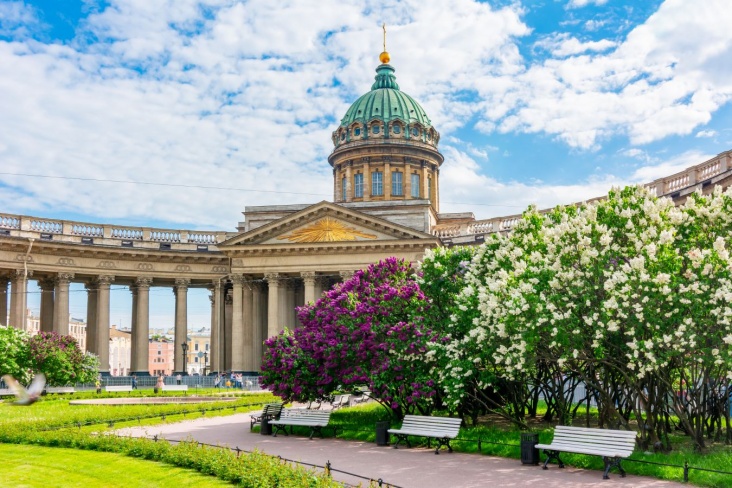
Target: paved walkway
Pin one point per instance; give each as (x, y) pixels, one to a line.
(407, 468)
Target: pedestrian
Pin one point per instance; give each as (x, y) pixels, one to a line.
(159, 385)
(98, 385)
(134, 382)
(178, 377)
(217, 381)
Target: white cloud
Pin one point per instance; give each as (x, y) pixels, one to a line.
(669, 167)
(562, 45)
(593, 24)
(706, 133)
(17, 19)
(584, 3)
(654, 84)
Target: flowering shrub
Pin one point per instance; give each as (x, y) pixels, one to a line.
(629, 295)
(14, 354)
(61, 360)
(367, 331)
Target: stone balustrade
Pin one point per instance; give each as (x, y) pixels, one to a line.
(678, 184)
(110, 235)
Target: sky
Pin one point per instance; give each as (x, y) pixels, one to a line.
(179, 113)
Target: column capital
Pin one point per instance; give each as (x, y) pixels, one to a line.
(346, 275)
(215, 285)
(273, 278)
(257, 285)
(64, 278)
(18, 274)
(182, 282)
(143, 282)
(308, 276)
(45, 284)
(104, 280)
(238, 279)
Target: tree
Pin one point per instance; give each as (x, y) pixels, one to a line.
(367, 331)
(14, 354)
(61, 360)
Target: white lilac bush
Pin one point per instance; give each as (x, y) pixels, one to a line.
(629, 295)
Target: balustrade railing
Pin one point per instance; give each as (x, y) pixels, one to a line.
(688, 178)
(87, 233)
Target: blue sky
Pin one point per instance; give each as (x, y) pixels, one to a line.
(541, 102)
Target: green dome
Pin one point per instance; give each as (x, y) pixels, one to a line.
(386, 103)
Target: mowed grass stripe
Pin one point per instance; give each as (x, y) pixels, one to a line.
(34, 466)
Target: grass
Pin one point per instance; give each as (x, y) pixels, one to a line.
(31, 466)
(54, 424)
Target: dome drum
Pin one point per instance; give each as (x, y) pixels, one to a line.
(385, 147)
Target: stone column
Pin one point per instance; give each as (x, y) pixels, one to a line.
(424, 175)
(18, 299)
(258, 307)
(214, 355)
(181, 324)
(61, 305)
(387, 181)
(289, 303)
(366, 181)
(349, 178)
(237, 324)
(225, 338)
(102, 322)
(346, 275)
(141, 327)
(320, 285)
(4, 300)
(308, 279)
(248, 332)
(47, 286)
(91, 316)
(273, 305)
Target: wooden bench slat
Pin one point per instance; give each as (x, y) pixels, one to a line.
(612, 445)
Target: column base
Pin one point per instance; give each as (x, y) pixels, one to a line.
(140, 373)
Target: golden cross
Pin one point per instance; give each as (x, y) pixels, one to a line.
(383, 26)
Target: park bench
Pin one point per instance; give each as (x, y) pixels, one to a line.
(341, 401)
(60, 389)
(175, 387)
(441, 428)
(118, 388)
(612, 445)
(315, 419)
(271, 411)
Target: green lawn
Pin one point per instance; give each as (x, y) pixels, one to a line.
(32, 466)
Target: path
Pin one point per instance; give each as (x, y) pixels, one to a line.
(407, 468)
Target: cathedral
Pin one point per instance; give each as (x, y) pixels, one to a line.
(386, 202)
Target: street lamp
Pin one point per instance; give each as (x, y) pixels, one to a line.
(205, 362)
(184, 346)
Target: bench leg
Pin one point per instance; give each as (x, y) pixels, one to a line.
(550, 454)
(612, 463)
(277, 428)
(443, 442)
(400, 438)
(314, 429)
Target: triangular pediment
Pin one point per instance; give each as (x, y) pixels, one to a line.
(325, 223)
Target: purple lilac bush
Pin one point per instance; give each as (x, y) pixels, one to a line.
(367, 331)
(61, 360)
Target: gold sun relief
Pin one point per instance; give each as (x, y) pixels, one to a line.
(326, 230)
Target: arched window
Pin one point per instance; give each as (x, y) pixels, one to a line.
(357, 131)
(397, 129)
(375, 129)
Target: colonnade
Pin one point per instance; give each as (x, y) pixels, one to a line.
(245, 311)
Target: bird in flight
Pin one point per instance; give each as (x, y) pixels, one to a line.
(29, 396)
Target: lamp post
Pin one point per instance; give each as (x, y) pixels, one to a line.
(205, 362)
(184, 346)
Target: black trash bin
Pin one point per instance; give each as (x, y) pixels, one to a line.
(265, 428)
(382, 433)
(529, 453)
